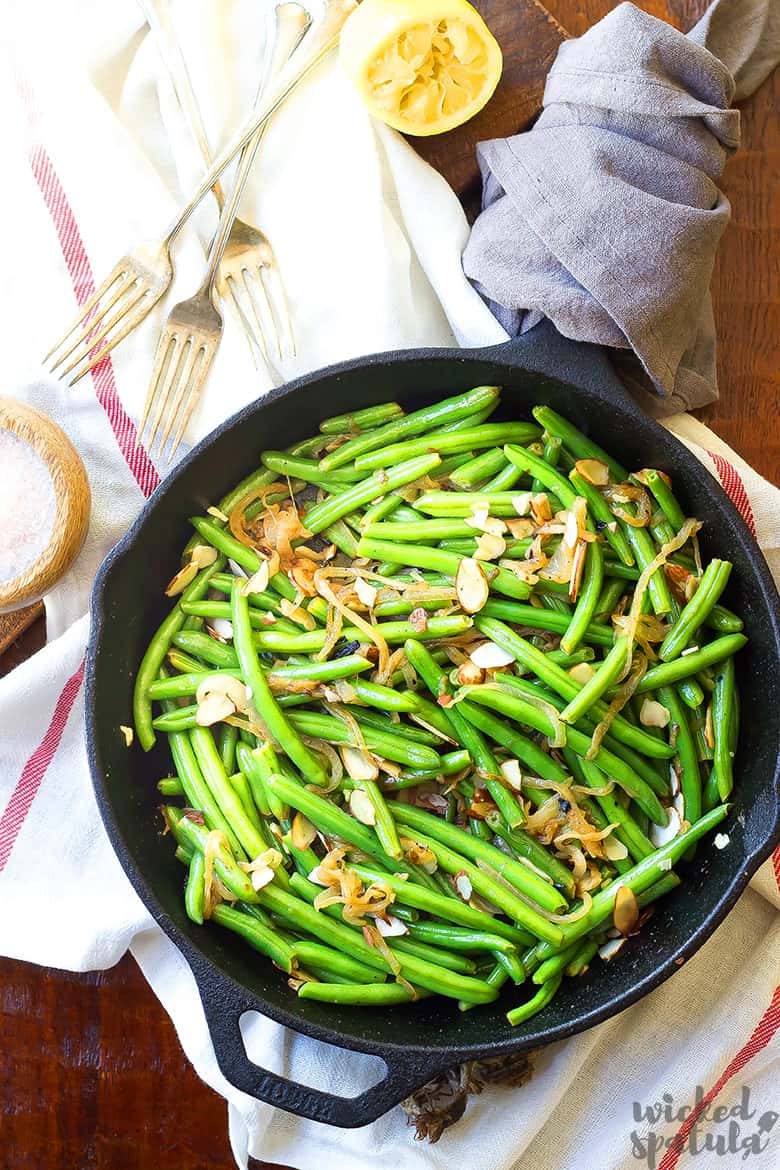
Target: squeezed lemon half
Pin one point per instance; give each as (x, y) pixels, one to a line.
(422, 66)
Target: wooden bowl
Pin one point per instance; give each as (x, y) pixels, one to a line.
(71, 503)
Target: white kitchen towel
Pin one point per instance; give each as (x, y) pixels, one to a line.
(369, 240)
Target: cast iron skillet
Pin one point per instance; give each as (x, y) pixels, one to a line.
(418, 1041)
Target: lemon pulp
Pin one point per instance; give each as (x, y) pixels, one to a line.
(422, 66)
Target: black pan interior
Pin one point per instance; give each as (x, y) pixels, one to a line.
(129, 604)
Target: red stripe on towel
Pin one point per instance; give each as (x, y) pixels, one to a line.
(734, 489)
(15, 812)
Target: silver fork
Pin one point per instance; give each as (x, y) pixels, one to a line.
(137, 282)
(193, 331)
(248, 265)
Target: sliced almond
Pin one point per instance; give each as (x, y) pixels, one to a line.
(614, 850)
(483, 522)
(203, 555)
(297, 614)
(663, 834)
(625, 913)
(419, 854)
(218, 514)
(181, 580)
(366, 593)
(471, 585)
(469, 674)
(302, 831)
(361, 807)
(593, 471)
(418, 620)
(391, 927)
(540, 507)
(236, 569)
(612, 948)
(258, 582)
(261, 877)
(128, 733)
(654, 714)
(213, 709)
(222, 628)
(522, 503)
(510, 770)
(582, 673)
(489, 547)
(520, 529)
(721, 840)
(489, 656)
(359, 764)
(572, 532)
(463, 886)
(225, 685)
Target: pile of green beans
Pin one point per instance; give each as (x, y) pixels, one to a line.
(511, 779)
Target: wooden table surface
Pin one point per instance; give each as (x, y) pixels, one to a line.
(91, 1072)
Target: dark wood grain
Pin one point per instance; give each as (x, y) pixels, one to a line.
(92, 1076)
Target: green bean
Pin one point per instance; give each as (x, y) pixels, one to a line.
(614, 666)
(263, 939)
(496, 978)
(478, 469)
(339, 534)
(512, 964)
(573, 439)
(536, 888)
(155, 656)
(240, 785)
(467, 735)
(459, 504)
(644, 551)
(486, 884)
(404, 945)
(305, 641)
(724, 621)
(224, 794)
(691, 693)
(605, 521)
(626, 828)
(449, 765)
(279, 725)
(691, 663)
(189, 832)
(580, 962)
(541, 619)
(378, 484)
(565, 685)
(206, 648)
(194, 889)
(385, 744)
(336, 962)
(550, 453)
(587, 599)
(711, 585)
(552, 479)
(524, 845)
(537, 1003)
(382, 723)
(658, 485)
(170, 786)
(227, 738)
(430, 417)
(468, 439)
(606, 761)
(308, 470)
(359, 994)
(384, 825)
(400, 607)
(664, 885)
(722, 709)
(183, 855)
(451, 909)
(525, 749)
(197, 790)
(643, 875)
(361, 420)
(554, 966)
(246, 758)
(422, 530)
(441, 561)
(607, 603)
(385, 698)
(687, 761)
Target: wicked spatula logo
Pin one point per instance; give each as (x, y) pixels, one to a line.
(734, 1130)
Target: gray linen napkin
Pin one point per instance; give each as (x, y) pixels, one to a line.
(606, 215)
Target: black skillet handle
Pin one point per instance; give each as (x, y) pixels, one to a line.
(546, 351)
(224, 1006)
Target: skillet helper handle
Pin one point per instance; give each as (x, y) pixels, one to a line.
(405, 1073)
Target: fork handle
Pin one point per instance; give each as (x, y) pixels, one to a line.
(291, 22)
(160, 20)
(321, 41)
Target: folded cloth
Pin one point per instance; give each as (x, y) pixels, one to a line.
(606, 215)
(369, 240)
